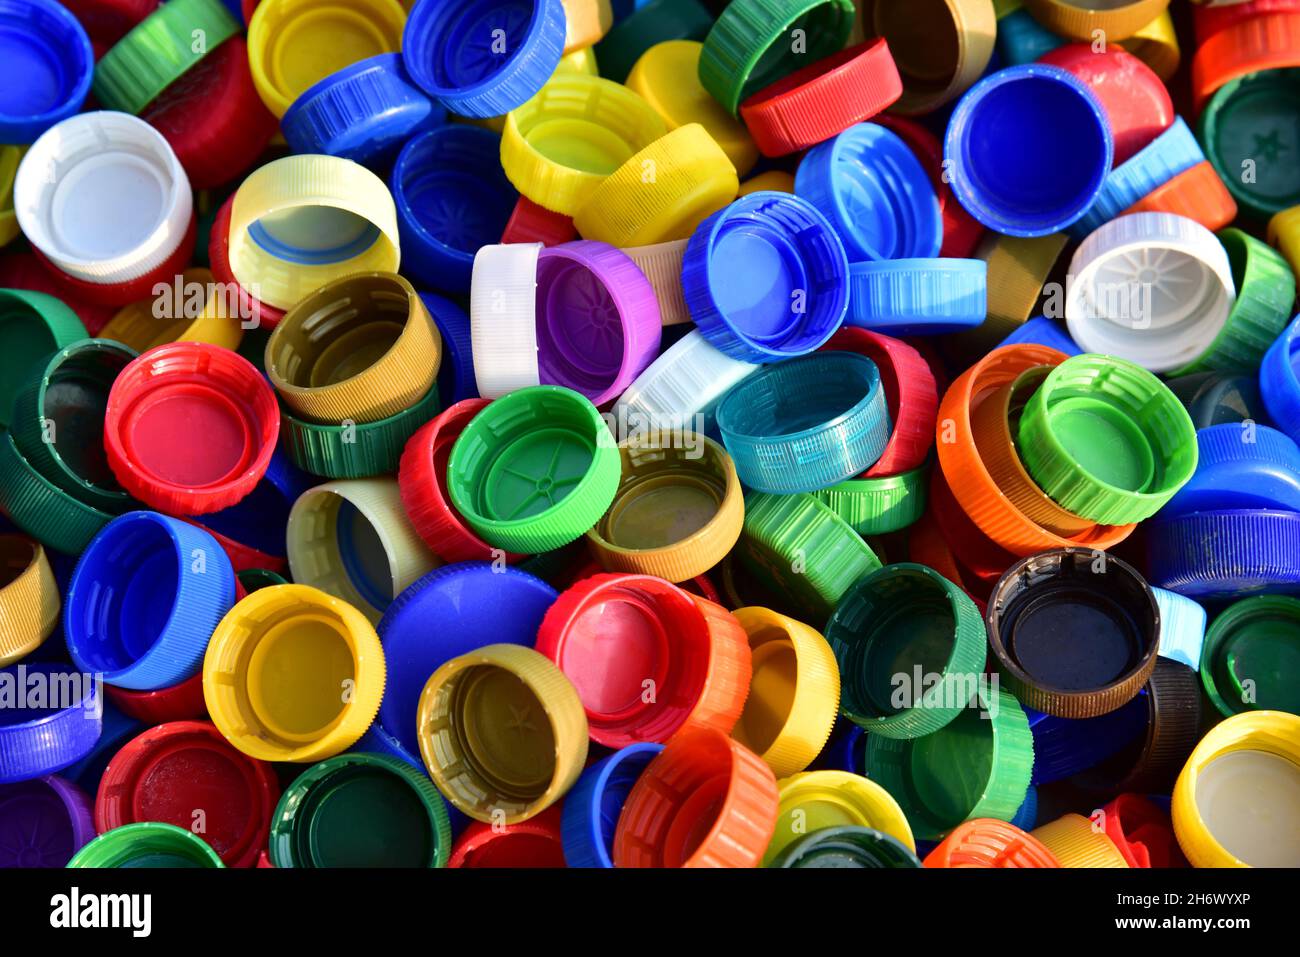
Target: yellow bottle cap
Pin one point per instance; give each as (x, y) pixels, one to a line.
(352, 539)
(1156, 45)
(661, 193)
(1077, 842)
(662, 265)
(579, 61)
(585, 22)
(29, 597)
(794, 694)
(667, 76)
(502, 733)
(817, 799)
(560, 145)
(1284, 233)
(10, 157)
(774, 179)
(293, 674)
(1235, 803)
(293, 44)
(302, 221)
(1087, 19)
(191, 309)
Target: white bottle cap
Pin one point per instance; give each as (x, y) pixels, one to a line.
(503, 318)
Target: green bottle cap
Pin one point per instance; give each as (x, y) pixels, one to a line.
(42, 509)
(147, 844)
(32, 325)
(877, 506)
(1250, 125)
(254, 578)
(846, 847)
(1252, 655)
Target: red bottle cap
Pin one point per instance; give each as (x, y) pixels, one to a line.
(213, 118)
(647, 658)
(190, 428)
(107, 21)
(182, 702)
(264, 316)
(185, 773)
(532, 843)
(244, 557)
(531, 223)
(1142, 832)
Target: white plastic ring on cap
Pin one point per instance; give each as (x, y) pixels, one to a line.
(686, 381)
(1153, 288)
(662, 265)
(103, 196)
(503, 318)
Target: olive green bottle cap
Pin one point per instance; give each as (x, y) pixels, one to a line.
(32, 325)
(846, 847)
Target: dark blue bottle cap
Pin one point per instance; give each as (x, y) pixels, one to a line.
(145, 598)
(450, 611)
(1044, 332)
(845, 751)
(452, 197)
(258, 520)
(918, 297)
(363, 112)
(1241, 466)
(50, 717)
(456, 376)
(1030, 148)
(591, 809)
(116, 730)
(1224, 554)
(766, 278)
(1027, 815)
(1279, 380)
(483, 57)
(875, 192)
(46, 66)
(1066, 746)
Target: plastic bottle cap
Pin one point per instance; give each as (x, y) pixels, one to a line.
(667, 77)
(878, 506)
(48, 68)
(1284, 233)
(102, 196)
(54, 720)
(1066, 746)
(1255, 550)
(502, 733)
(466, 70)
(503, 318)
(918, 297)
(148, 844)
(1279, 379)
(611, 634)
(10, 157)
(1255, 45)
(531, 491)
(661, 264)
(158, 51)
(29, 598)
(1043, 332)
(1082, 19)
(1248, 649)
(680, 389)
(176, 314)
(1255, 757)
(976, 766)
(1197, 193)
(846, 847)
(1142, 832)
(293, 674)
(530, 223)
(359, 349)
(1156, 45)
(766, 278)
(117, 730)
(1048, 607)
(361, 810)
(678, 510)
(591, 809)
(470, 601)
(1059, 125)
(1209, 18)
(1075, 842)
(180, 702)
(1245, 120)
(692, 179)
(869, 184)
(452, 199)
(597, 319)
(1212, 398)
(651, 23)
(40, 508)
(818, 799)
(1106, 439)
(173, 769)
(906, 619)
(212, 116)
(986, 843)
(939, 62)
(1241, 467)
(774, 180)
(254, 313)
(352, 540)
(787, 532)
(43, 822)
(1182, 628)
(537, 842)
(1172, 152)
(561, 144)
(32, 325)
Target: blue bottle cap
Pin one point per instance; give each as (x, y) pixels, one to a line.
(450, 611)
(1066, 746)
(363, 112)
(1030, 148)
(452, 197)
(845, 751)
(766, 278)
(1169, 154)
(259, 519)
(1241, 466)
(145, 598)
(1022, 39)
(1044, 332)
(50, 717)
(591, 809)
(1027, 815)
(46, 66)
(483, 57)
(1279, 380)
(1224, 554)
(918, 297)
(875, 192)
(116, 730)
(1182, 627)
(807, 423)
(456, 375)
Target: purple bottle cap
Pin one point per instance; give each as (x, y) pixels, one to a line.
(43, 822)
(598, 323)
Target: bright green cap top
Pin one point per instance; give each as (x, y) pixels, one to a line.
(1252, 655)
(147, 844)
